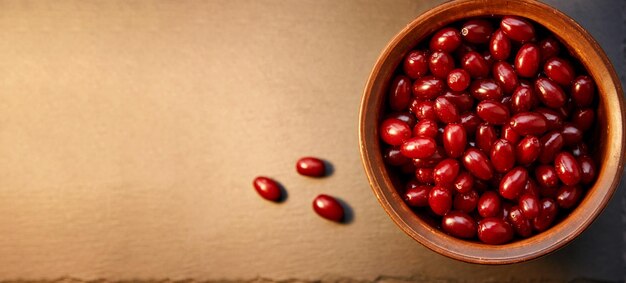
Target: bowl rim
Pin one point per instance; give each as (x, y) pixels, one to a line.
(587, 50)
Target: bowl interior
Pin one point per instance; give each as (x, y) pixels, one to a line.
(608, 154)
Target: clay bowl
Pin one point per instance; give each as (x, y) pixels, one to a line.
(609, 147)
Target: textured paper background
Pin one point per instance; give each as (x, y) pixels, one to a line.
(130, 132)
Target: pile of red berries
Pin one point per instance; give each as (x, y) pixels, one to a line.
(489, 122)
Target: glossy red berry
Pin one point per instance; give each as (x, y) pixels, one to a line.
(517, 28)
(489, 204)
(466, 202)
(486, 136)
(475, 65)
(494, 231)
(425, 175)
(502, 156)
(554, 120)
(583, 91)
(587, 170)
(400, 93)
(547, 215)
(531, 188)
(527, 150)
(548, 48)
(464, 182)
(527, 60)
(509, 134)
(522, 99)
(267, 188)
(568, 196)
(458, 80)
(423, 109)
(520, 223)
(483, 89)
(446, 111)
(500, 45)
(440, 200)
(415, 64)
(446, 171)
(440, 64)
(493, 112)
(551, 144)
(394, 131)
(546, 176)
(426, 128)
(328, 207)
(454, 140)
(431, 161)
(477, 31)
(417, 196)
(559, 70)
(571, 134)
(513, 183)
(459, 224)
(583, 119)
(550, 93)
(567, 168)
(529, 123)
(529, 205)
(463, 101)
(404, 117)
(311, 166)
(394, 157)
(505, 75)
(428, 87)
(446, 40)
(477, 163)
(470, 122)
(419, 147)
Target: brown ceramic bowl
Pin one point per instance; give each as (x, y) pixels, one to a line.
(609, 151)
